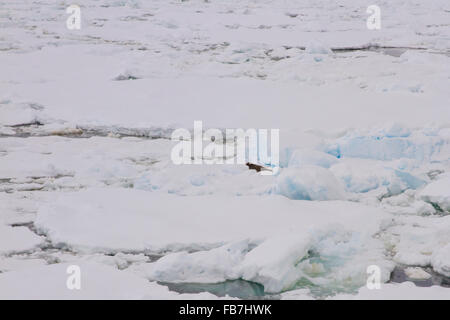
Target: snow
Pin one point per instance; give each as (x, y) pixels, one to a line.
(360, 175)
(278, 263)
(441, 259)
(86, 118)
(315, 47)
(417, 273)
(21, 113)
(438, 192)
(97, 282)
(282, 231)
(309, 183)
(14, 264)
(58, 162)
(304, 157)
(402, 291)
(17, 239)
(212, 266)
(148, 216)
(299, 294)
(406, 203)
(395, 291)
(385, 144)
(421, 241)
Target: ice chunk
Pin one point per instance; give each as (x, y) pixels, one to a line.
(421, 241)
(299, 294)
(17, 239)
(406, 203)
(330, 260)
(19, 113)
(213, 266)
(316, 47)
(389, 144)
(441, 260)
(311, 157)
(438, 192)
(417, 273)
(394, 130)
(309, 183)
(363, 175)
(274, 262)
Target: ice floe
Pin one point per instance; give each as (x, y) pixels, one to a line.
(309, 183)
(96, 282)
(160, 222)
(402, 291)
(438, 193)
(421, 241)
(17, 239)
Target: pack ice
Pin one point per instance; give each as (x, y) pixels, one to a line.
(86, 177)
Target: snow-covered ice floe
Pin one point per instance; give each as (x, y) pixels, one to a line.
(421, 241)
(396, 291)
(218, 224)
(17, 239)
(269, 240)
(438, 192)
(404, 291)
(98, 282)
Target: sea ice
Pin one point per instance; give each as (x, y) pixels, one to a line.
(438, 192)
(400, 291)
(278, 233)
(97, 282)
(421, 241)
(17, 239)
(359, 122)
(309, 182)
(417, 273)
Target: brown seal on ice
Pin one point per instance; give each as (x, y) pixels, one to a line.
(256, 167)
